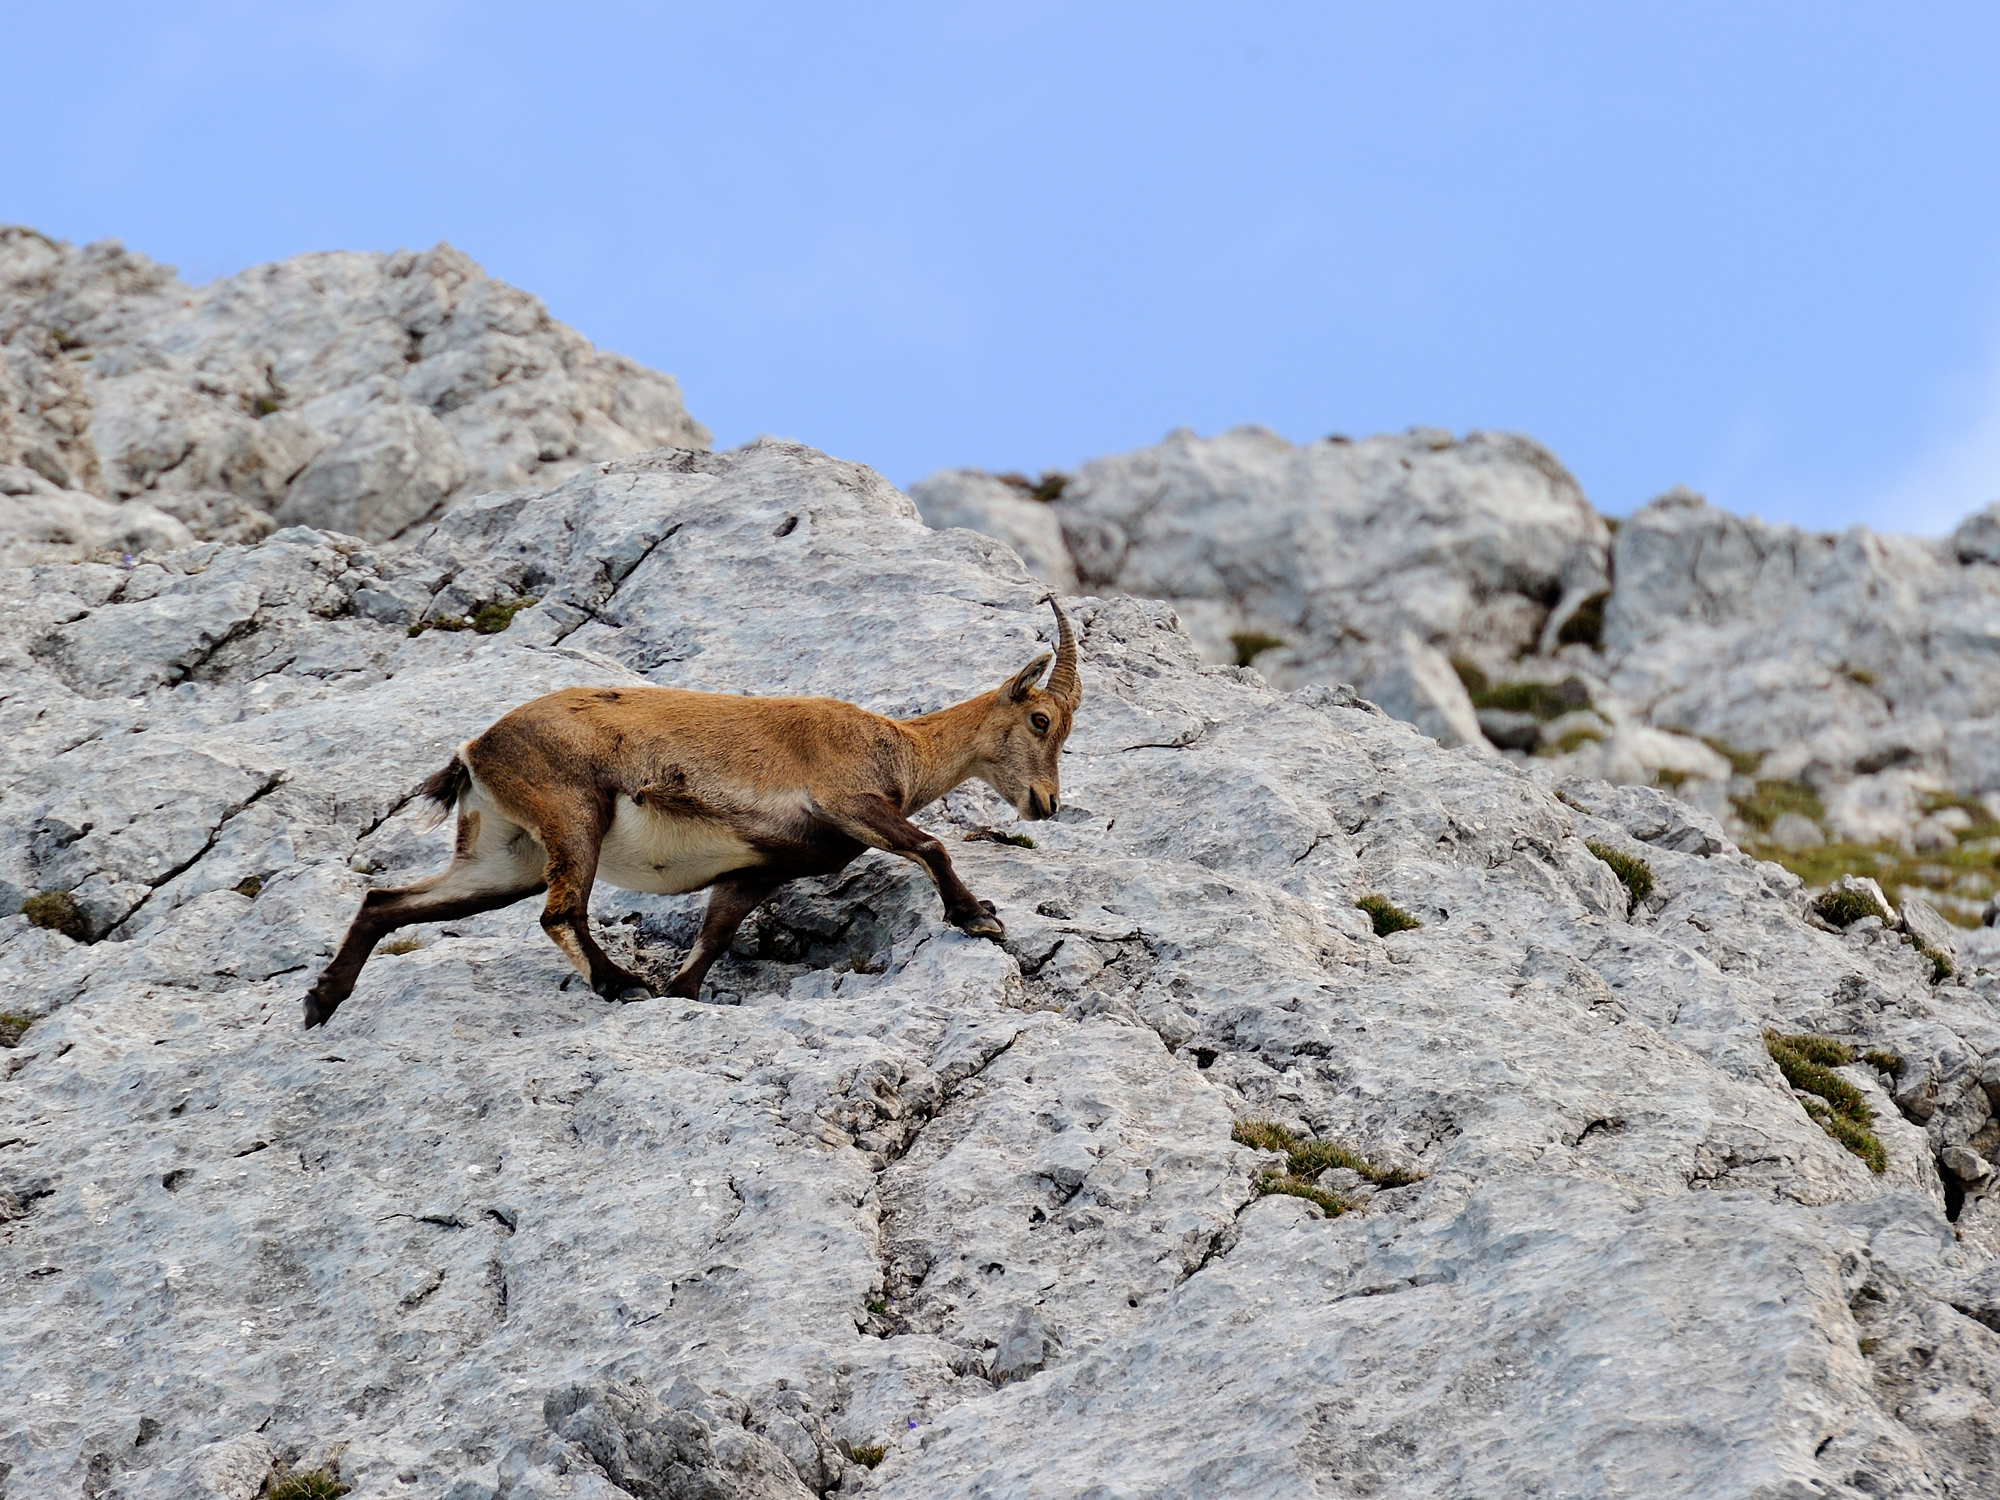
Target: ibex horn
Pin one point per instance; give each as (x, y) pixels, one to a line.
(1063, 682)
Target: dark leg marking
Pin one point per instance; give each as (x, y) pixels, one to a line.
(730, 900)
(875, 820)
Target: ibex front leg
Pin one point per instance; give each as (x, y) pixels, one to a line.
(730, 900)
(880, 824)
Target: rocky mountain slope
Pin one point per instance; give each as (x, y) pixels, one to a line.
(361, 392)
(891, 1210)
(1834, 701)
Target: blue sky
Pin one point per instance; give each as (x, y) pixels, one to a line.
(1751, 249)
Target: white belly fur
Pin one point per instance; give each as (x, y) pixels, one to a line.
(666, 855)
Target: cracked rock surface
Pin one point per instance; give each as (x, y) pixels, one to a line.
(359, 392)
(891, 1210)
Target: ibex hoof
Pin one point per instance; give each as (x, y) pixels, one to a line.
(980, 922)
(316, 1012)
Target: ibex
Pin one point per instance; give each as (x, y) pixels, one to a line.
(661, 790)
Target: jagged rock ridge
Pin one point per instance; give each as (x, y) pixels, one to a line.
(1800, 687)
(885, 1187)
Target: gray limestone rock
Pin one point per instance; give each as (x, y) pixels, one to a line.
(1714, 650)
(361, 393)
(885, 1188)
(1922, 922)
(980, 502)
(1469, 547)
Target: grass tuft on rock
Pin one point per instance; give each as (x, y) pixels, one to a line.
(56, 911)
(13, 1027)
(1545, 700)
(403, 944)
(1298, 1187)
(1958, 880)
(1845, 908)
(491, 619)
(1387, 916)
(995, 836)
(1633, 873)
(1941, 968)
(1888, 1062)
(1741, 762)
(1837, 1107)
(1769, 801)
(322, 1483)
(868, 1455)
(487, 619)
(1250, 644)
(1305, 1160)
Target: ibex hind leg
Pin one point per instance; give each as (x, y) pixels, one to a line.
(495, 865)
(569, 875)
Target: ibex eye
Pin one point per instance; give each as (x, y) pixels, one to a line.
(1040, 721)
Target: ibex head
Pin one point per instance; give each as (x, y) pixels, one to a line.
(1025, 729)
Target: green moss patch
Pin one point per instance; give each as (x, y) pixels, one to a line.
(1741, 762)
(1633, 873)
(1570, 739)
(13, 1027)
(1769, 801)
(1941, 968)
(995, 836)
(1545, 700)
(1845, 908)
(1836, 1106)
(487, 619)
(1305, 1160)
(1387, 916)
(1958, 880)
(1250, 644)
(57, 911)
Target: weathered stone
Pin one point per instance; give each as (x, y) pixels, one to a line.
(1922, 922)
(362, 393)
(977, 1204)
(1966, 1165)
(979, 502)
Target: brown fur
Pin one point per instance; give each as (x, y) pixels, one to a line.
(665, 790)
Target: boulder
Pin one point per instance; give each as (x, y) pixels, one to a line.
(979, 502)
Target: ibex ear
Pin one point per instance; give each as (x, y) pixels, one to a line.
(1023, 681)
